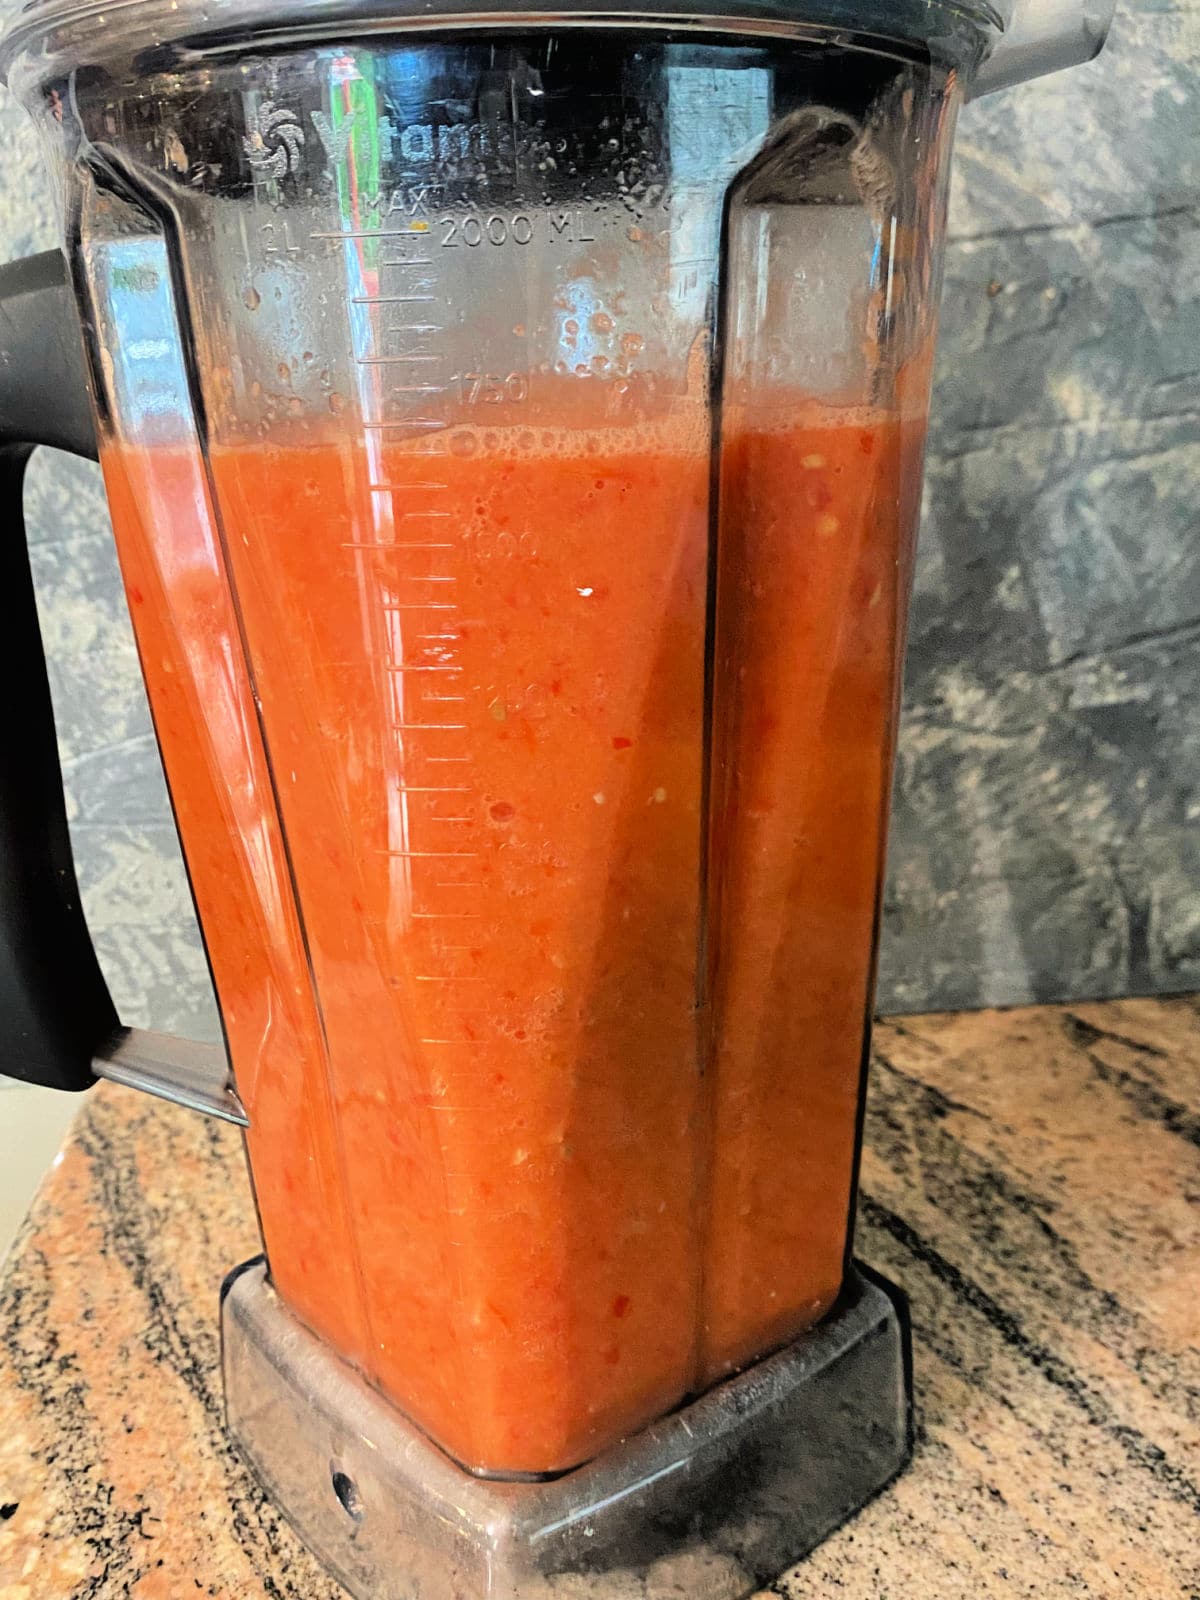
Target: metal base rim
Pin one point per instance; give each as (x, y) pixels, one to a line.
(713, 1500)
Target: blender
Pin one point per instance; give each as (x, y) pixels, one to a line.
(512, 424)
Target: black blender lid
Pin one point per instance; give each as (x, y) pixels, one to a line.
(50, 38)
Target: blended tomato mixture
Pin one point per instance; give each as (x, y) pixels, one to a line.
(553, 1100)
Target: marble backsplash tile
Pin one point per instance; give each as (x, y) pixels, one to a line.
(1045, 841)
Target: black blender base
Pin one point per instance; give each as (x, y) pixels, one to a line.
(710, 1502)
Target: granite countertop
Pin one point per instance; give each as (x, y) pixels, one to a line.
(1031, 1177)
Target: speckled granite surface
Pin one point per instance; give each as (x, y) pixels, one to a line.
(1032, 1178)
(1045, 838)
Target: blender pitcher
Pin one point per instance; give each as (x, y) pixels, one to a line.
(512, 425)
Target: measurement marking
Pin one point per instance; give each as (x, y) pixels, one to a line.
(478, 887)
(411, 388)
(441, 636)
(433, 788)
(395, 361)
(444, 699)
(449, 819)
(430, 727)
(428, 577)
(396, 488)
(417, 261)
(447, 916)
(418, 978)
(414, 327)
(461, 1042)
(372, 233)
(395, 544)
(444, 760)
(412, 516)
(392, 668)
(407, 422)
(422, 605)
(423, 854)
(390, 299)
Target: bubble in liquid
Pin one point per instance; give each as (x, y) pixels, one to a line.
(463, 442)
(251, 298)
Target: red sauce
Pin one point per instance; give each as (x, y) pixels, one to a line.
(503, 1160)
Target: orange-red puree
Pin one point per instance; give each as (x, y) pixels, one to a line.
(451, 872)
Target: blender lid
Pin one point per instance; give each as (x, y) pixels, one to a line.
(49, 38)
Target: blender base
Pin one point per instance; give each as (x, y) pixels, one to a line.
(709, 1502)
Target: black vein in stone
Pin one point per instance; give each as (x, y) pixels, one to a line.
(1145, 1100)
(907, 1128)
(43, 1369)
(1082, 1032)
(1138, 1450)
(129, 1225)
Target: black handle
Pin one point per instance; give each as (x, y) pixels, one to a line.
(55, 1011)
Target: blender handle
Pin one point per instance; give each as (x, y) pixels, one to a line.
(58, 1026)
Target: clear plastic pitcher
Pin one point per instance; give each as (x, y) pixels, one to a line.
(513, 432)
